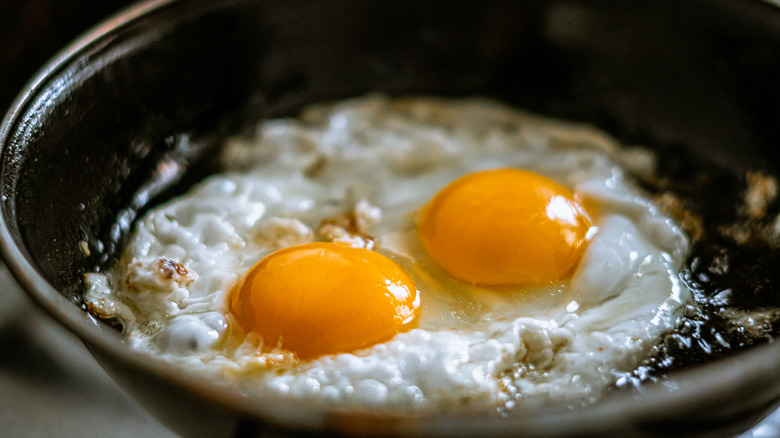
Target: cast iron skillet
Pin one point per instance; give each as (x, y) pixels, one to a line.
(131, 113)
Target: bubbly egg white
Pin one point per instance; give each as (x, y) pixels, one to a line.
(378, 161)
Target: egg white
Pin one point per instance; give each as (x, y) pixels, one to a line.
(382, 159)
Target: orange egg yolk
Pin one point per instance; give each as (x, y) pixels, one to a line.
(504, 227)
(325, 298)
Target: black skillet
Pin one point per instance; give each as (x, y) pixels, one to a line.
(159, 85)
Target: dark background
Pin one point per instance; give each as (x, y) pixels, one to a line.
(32, 31)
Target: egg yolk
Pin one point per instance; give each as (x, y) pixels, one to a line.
(325, 298)
(504, 227)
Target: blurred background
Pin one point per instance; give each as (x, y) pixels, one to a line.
(32, 31)
(49, 383)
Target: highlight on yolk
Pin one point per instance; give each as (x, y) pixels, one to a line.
(504, 227)
(325, 298)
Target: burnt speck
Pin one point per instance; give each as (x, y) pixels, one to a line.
(170, 268)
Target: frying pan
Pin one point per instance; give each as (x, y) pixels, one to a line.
(134, 111)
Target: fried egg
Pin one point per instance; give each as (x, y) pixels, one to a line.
(407, 254)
